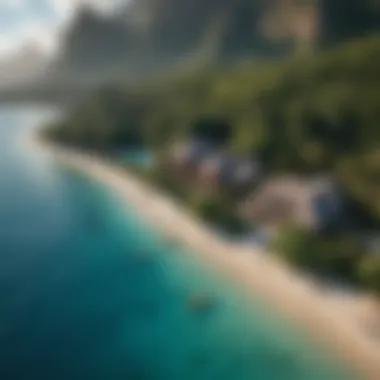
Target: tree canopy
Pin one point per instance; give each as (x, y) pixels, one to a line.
(304, 115)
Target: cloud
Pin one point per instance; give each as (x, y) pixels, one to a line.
(13, 4)
(35, 32)
(67, 8)
(42, 21)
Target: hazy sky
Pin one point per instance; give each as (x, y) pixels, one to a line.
(22, 21)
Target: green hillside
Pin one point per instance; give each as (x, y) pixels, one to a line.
(308, 116)
(154, 35)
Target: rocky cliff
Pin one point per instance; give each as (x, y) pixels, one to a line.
(152, 34)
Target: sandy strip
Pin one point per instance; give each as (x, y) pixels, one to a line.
(340, 324)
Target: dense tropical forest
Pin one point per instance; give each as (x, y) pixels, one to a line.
(304, 115)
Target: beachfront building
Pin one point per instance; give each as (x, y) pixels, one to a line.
(316, 204)
(213, 169)
(237, 174)
(188, 155)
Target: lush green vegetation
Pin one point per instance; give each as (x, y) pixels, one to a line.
(339, 255)
(106, 120)
(368, 272)
(307, 115)
(336, 254)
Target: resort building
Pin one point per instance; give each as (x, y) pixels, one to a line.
(315, 204)
(231, 172)
(190, 153)
(209, 167)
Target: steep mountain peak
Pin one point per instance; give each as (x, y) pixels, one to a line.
(93, 46)
(152, 34)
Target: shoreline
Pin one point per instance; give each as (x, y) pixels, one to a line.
(334, 322)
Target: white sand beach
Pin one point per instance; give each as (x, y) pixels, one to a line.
(347, 326)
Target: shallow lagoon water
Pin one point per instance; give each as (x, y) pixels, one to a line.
(88, 290)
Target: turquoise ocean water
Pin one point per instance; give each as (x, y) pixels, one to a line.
(88, 290)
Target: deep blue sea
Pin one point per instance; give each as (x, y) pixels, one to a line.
(88, 290)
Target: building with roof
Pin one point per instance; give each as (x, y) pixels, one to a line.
(190, 153)
(316, 204)
(229, 171)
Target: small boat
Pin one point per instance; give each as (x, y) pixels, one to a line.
(200, 303)
(141, 257)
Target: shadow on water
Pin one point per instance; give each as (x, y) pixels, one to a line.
(201, 304)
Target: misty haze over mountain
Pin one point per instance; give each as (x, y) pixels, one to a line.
(149, 35)
(24, 67)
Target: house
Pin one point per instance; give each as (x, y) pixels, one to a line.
(328, 202)
(315, 204)
(210, 167)
(221, 169)
(240, 172)
(188, 155)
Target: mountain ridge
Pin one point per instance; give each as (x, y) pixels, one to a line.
(159, 33)
(151, 36)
